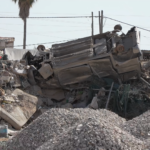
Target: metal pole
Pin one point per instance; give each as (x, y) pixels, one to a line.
(145, 81)
(108, 99)
(93, 33)
(99, 14)
(102, 21)
(92, 26)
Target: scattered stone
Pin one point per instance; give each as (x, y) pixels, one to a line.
(94, 103)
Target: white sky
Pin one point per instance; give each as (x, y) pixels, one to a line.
(134, 12)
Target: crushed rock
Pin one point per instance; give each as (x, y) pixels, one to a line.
(93, 134)
(76, 129)
(139, 126)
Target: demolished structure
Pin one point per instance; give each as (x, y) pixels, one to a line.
(103, 71)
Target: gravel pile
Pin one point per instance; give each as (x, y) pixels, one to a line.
(139, 126)
(75, 129)
(93, 134)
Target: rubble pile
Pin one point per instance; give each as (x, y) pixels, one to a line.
(105, 71)
(76, 129)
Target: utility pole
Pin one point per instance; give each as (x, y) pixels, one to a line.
(93, 32)
(99, 14)
(92, 26)
(101, 22)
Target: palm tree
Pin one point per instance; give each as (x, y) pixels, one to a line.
(24, 6)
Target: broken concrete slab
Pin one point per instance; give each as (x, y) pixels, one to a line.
(16, 118)
(53, 83)
(46, 71)
(19, 113)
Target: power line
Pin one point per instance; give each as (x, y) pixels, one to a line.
(104, 22)
(110, 25)
(62, 25)
(127, 23)
(52, 17)
(42, 13)
(76, 14)
(145, 36)
(83, 17)
(45, 43)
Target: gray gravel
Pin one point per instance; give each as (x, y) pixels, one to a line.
(139, 126)
(76, 129)
(93, 134)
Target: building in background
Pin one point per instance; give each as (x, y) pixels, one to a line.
(6, 42)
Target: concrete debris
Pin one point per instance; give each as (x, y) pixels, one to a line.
(25, 84)
(46, 71)
(30, 75)
(8, 99)
(12, 132)
(2, 92)
(18, 113)
(94, 103)
(35, 90)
